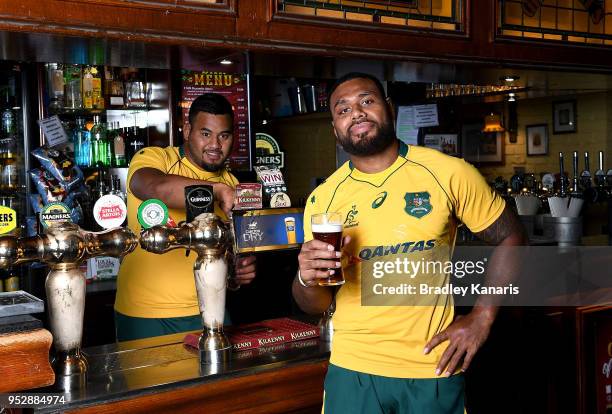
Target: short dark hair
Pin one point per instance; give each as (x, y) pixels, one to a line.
(211, 103)
(356, 75)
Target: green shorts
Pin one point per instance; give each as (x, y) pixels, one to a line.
(129, 327)
(352, 392)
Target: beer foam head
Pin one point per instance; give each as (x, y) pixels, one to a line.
(327, 228)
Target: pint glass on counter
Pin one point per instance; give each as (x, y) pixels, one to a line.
(327, 227)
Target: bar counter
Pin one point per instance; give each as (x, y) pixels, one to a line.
(161, 374)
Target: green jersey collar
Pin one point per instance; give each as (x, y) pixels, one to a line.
(402, 152)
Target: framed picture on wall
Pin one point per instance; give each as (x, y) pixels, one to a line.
(564, 117)
(537, 139)
(446, 143)
(478, 146)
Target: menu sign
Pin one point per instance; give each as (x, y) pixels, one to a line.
(235, 88)
(603, 369)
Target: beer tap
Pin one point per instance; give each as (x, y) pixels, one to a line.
(63, 246)
(575, 193)
(562, 177)
(600, 174)
(585, 175)
(211, 238)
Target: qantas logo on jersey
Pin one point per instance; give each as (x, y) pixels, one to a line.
(406, 247)
(380, 199)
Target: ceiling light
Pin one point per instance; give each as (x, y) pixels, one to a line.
(226, 62)
(510, 78)
(493, 123)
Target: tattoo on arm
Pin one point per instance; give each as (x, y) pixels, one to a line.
(506, 225)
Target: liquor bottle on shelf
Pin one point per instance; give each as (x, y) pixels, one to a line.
(11, 280)
(115, 188)
(119, 148)
(9, 120)
(113, 88)
(96, 89)
(55, 86)
(135, 143)
(88, 88)
(9, 180)
(73, 88)
(100, 147)
(135, 90)
(81, 138)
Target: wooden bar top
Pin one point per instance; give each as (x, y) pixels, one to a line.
(161, 374)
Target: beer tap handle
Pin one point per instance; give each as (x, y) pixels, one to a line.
(14, 251)
(586, 161)
(575, 171)
(562, 179)
(114, 242)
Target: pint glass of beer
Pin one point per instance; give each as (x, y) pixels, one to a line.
(327, 227)
(290, 229)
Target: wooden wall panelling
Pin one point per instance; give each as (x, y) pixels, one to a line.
(146, 21)
(252, 24)
(477, 44)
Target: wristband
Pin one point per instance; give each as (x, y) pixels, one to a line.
(232, 285)
(301, 281)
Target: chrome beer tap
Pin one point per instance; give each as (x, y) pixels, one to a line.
(63, 246)
(212, 239)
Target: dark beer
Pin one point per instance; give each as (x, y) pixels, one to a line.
(332, 234)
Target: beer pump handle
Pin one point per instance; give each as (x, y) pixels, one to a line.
(14, 250)
(115, 242)
(586, 161)
(562, 180)
(575, 171)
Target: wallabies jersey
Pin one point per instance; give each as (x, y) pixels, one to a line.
(161, 285)
(412, 206)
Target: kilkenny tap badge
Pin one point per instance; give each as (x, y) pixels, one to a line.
(417, 204)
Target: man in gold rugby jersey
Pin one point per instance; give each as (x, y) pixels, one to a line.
(156, 294)
(397, 359)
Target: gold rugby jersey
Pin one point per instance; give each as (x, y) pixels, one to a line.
(161, 285)
(413, 205)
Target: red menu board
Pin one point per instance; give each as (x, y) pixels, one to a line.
(235, 88)
(603, 369)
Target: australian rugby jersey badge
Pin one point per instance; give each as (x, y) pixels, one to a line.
(417, 204)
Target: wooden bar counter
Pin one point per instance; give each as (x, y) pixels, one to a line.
(161, 374)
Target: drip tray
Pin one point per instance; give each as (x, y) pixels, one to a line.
(19, 303)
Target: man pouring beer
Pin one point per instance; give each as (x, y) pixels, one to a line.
(156, 294)
(392, 359)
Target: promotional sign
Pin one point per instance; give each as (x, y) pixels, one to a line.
(248, 195)
(54, 212)
(268, 229)
(8, 220)
(267, 151)
(198, 199)
(102, 267)
(603, 369)
(110, 211)
(235, 88)
(152, 212)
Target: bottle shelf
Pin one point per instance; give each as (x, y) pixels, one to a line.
(91, 112)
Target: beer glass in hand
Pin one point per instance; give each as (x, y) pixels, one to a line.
(327, 227)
